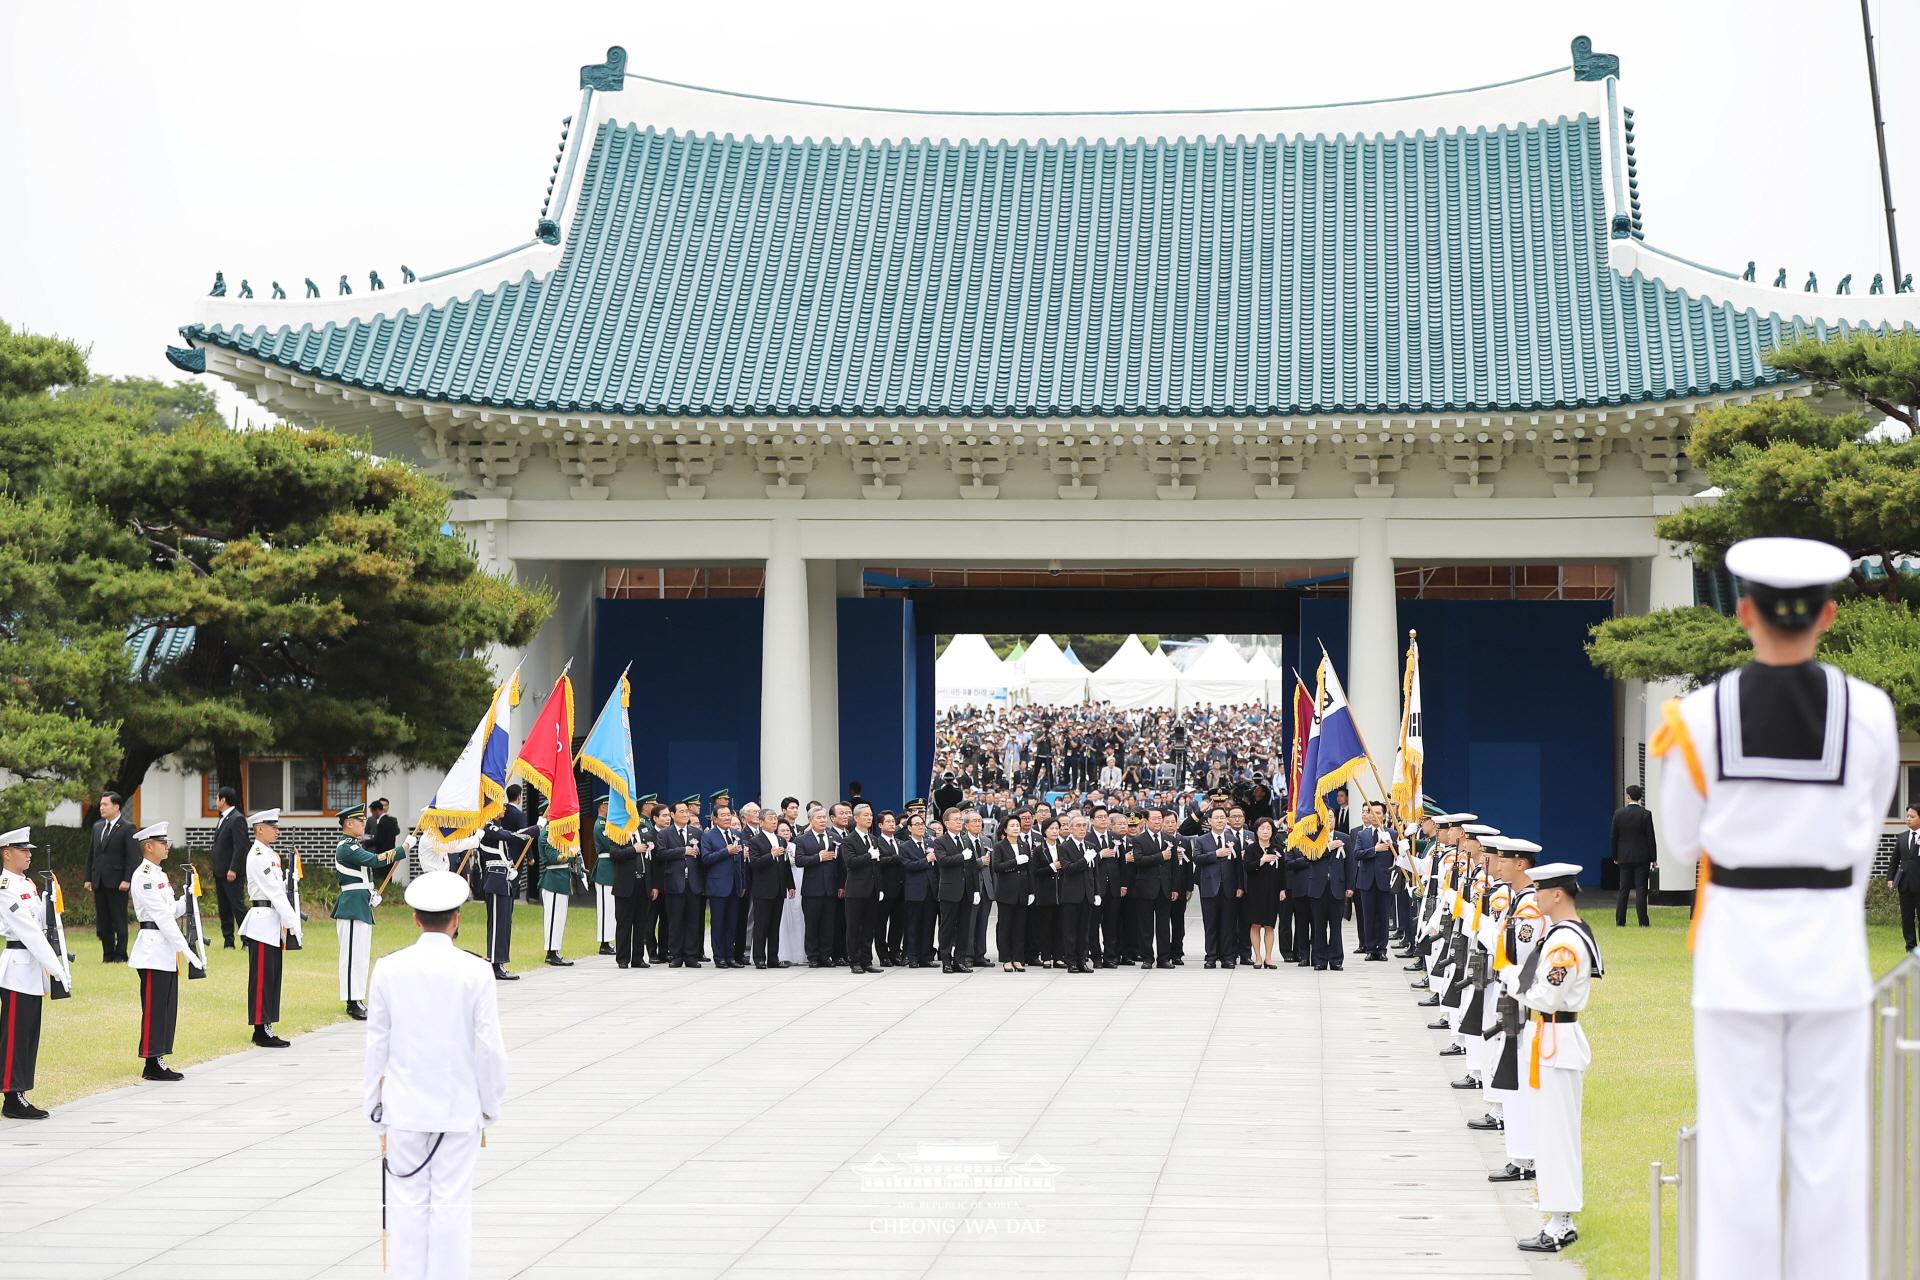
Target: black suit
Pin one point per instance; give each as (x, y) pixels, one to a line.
(1012, 884)
(680, 894)
(1111, 946)
(230, 844)
(1076, 892)
(860, 865)
(1906, 879)
(1323, 882)
(1153, 913)
(1216, 866)
(632, 903)
(890, 912)
(819, 884)
(921, 892)
(111, 860)
(770, 879)
(1634, 849)
(957, 883)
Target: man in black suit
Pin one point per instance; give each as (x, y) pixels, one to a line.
(1634, 850)
(1013, 868)
(1152, 889)
(955, 856)
(514, 819)
(1906, 874)
(817, 855)
(771, 878)
(112, 858)
(1216, 869)
(632, 904)
(1323, 882)
(890, 909)
(1104, 911)
(860, 871)
(920, 889)
(675, 852)
(1371, 868)
(383, 829)
(1075, 878)
(230, 844)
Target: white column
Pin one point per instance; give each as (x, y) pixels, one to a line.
(1373, 647)
(1669, 575)
(823, 624)
(786, 710)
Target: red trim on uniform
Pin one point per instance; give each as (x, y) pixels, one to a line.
(146, 1012)
(12, 1000)
(259, 980)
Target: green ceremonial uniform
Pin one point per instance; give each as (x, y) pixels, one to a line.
(353, 868)
(556, 875)
(602, 845)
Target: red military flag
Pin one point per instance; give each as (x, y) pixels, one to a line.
(1302, 726)
(546, 761)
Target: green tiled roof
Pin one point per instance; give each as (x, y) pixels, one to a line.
(702, 276)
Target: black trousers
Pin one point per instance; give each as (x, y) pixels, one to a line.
(859, 913)
(1177, 924)
(159, 1011)
(263, 983)
(1371, 907)
(1156, 925)
(919, 934)
(683, 924)
(836, 938)
(1297, 941)
(631, 917)
(1113, 934)
(1403, 912)
(1635, 877)
(232, 909)
(1217, 917)
(722, 910)
(1909, 908)
(818, 914)
(110, 921)
(1037, 936)
(980, 915)
(956, 932)
(1011, 933)
(1329, 947)
(766, 929)
(655, 934)
(19, 1040)
(499, 927)
(1071, 921)
(743, 913)
(890, 927)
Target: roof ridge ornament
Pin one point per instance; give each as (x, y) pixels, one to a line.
(1587, 65)
(609, 76)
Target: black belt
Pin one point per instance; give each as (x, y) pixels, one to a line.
(15, 946)
(1559, 1017)
(1780, 877)
(148, 924)
(259, 902)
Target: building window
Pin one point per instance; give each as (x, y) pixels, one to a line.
(294, 785)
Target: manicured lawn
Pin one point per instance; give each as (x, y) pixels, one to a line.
(1640, 1090)
(87, 1041)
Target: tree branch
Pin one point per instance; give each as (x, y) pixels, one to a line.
(1893, 410)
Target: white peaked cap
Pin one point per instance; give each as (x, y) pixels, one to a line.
(1788, 564)
(158, 831)
(1510, 844)
(265, 815)
(1480, 829)
(18, 838)
(437, 891)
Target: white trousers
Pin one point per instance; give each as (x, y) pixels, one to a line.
(430, 1214)
(555, 907)
(1774, 1086)
(603, 912)
(356, 953)
(1558, 1175)
(1516, 1105)
(1477, 1056)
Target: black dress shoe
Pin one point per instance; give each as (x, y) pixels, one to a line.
(641, 964)
(1431, 1002)
(1287, 957)
(677, 964)
(1319, 968)
(228, 945)
(356, 1011)
(500, 974)
(949, 968)
(1454, 1051)
(1412, 968)
(759, 964)
(1465, 1082)
(1336, 967)
(17, 1107)
(621, 964)
(1179, 959)
(1512, 1173)
(1441, 1025)
(606, 949)
(553, 958)
(158, 1070)
(1211, 964)
(1487, 1124)
(1165, 964)
(1544, 1243)
(267, 1040)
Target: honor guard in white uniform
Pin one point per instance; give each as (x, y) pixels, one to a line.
(28, 966)
(435, 1077)
(436, 853)
(1777, 779)
(1436, 920)
(157, 949)
(496, 854)
(270, 918)
(354, 866)
(1554, 985)
(1509, 1105)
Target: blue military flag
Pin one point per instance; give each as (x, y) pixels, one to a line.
(474, 792)
(1335, 756)
(608, 756)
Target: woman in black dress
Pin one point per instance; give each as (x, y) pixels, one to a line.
(1264, 878)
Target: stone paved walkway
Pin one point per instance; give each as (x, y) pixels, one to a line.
(670, 1123)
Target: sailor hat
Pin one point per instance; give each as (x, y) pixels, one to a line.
(1788, 579)
(1557, 875)
(1511, 846)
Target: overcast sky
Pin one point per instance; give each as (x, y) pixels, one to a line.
(143, 146)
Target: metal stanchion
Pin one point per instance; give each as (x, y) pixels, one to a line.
(1686, 1228)
(1682, 1182)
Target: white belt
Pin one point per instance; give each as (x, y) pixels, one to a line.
(363, 887)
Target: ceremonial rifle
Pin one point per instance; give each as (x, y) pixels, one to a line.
(57, 934)
(288, 938)
(196, 936)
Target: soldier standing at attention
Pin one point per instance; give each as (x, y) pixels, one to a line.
(155, 948)
(270, 917)
(603, 871)
(556, 886)
(1777, 779)
(353, 868)
(496, 854)
(26, 964)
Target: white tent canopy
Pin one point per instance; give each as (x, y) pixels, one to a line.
(969, 675)
(1263, 666)
(1133, 678)
(1051, 679)
(1220, 677)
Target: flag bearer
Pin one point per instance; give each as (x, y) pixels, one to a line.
(556, 884)
(26, 965)
(498, 873)
(156, 951)
(1777, 778)
(603, 914)
(1554, 988)
(353, 868)
(269, 919)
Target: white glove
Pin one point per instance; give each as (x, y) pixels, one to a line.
(1096, 899)
(412, 841)
(1091, 855)
(967, 854)
(880, 897)
(1029, 899)
(373, 899)
(1020, 859)
(976, 897)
